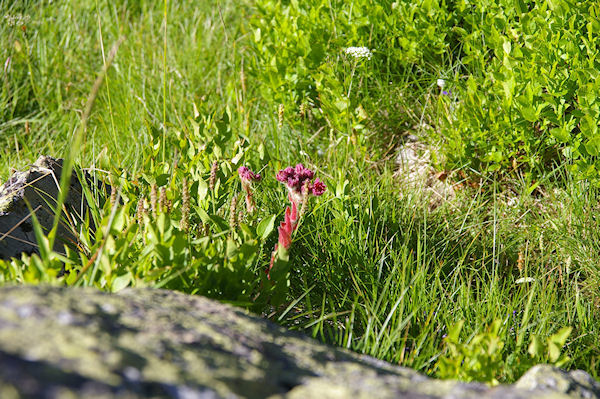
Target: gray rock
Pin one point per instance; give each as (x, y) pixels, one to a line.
(576, 383)
(37, 187)
(75, 342)
(416, 171)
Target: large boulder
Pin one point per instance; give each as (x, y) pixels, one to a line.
(76, 342)
(36, 190)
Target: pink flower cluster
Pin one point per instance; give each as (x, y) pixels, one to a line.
(299, 183)
(248, 177)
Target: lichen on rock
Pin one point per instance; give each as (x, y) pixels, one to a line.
(75, 342)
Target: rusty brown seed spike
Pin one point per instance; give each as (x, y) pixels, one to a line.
(113, 194)
(185, 206)
(213, 175)
(140, 211)
(521, 261)
(233, 220)
(153, 198)
(303, 110)
(162, 200)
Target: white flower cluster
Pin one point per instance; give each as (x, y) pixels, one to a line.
(17, 20)
(359, 52)
(441, 83)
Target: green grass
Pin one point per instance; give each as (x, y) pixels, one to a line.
(66, 44)
(389, 277)
(371, 270)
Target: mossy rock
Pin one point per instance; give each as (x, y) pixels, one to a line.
(74, 342)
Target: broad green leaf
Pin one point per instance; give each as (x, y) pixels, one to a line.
(561, 134)
(202, 189)
(342, 104)
(553, 352)
(265, 227)
(535, 346)
(593, 146)
(120, 282)
(560, 337)
(231, 248)
(529, 114)
(454, 331)
(119, 220)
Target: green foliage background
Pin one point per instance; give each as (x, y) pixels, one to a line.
(522, 74)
